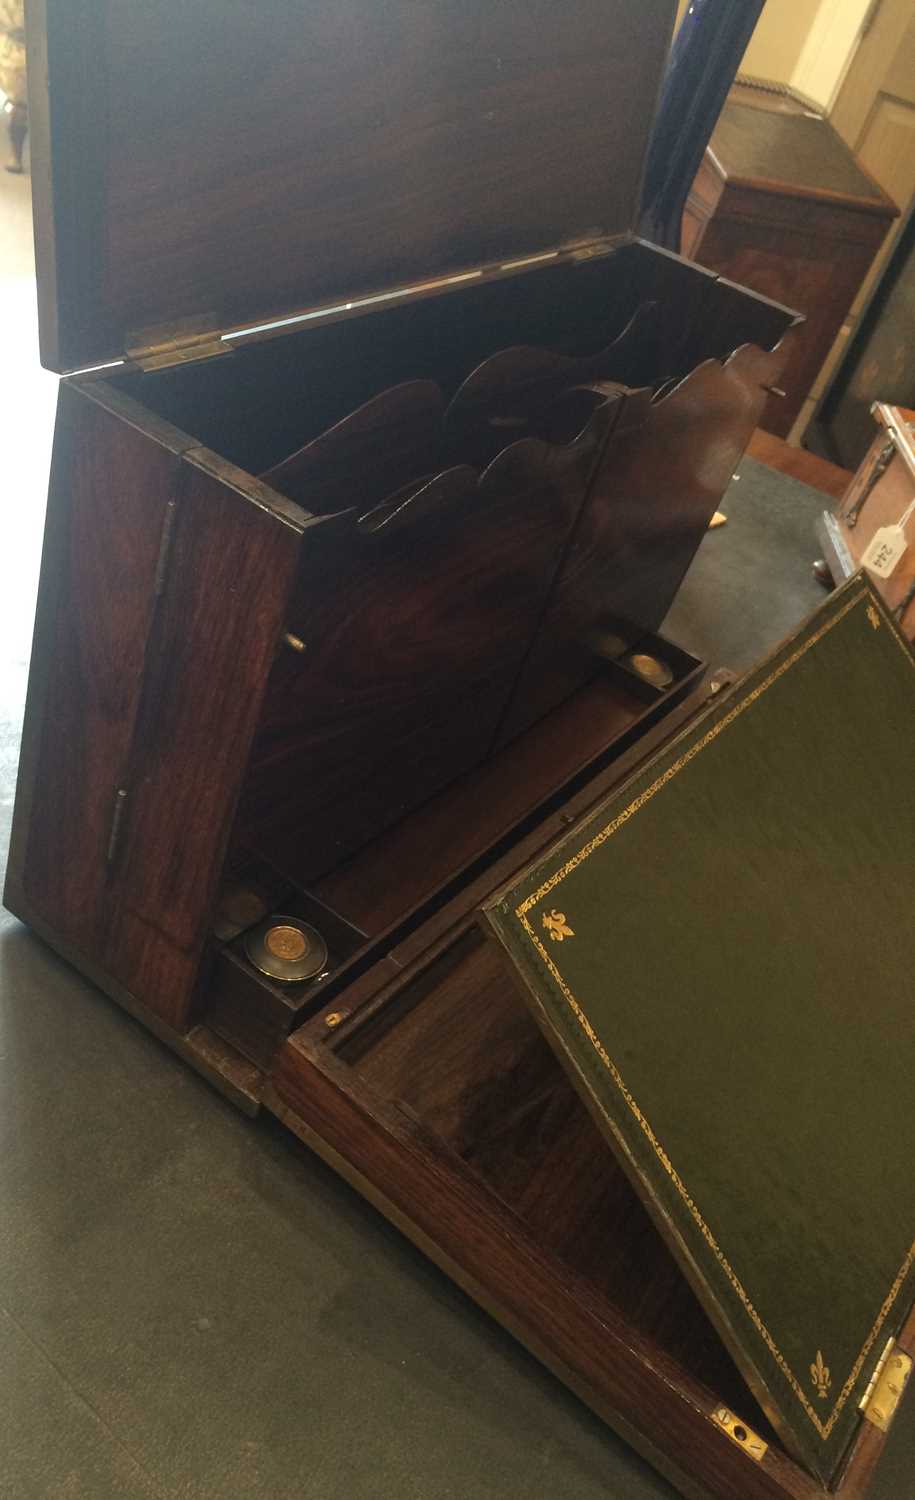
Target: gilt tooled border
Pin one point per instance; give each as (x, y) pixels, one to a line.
(823, 1428)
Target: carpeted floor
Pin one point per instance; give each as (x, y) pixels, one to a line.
(751, 582)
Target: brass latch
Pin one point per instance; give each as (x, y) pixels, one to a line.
(878, 469)
(884, 1393)
(180, 343)
(739, 1433)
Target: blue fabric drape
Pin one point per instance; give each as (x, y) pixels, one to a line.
(704, 58)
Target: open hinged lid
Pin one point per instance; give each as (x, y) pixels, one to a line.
(219, 164)
(721, 956)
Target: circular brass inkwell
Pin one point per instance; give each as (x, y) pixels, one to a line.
(287, 949)
(286, 943)
(650, 669)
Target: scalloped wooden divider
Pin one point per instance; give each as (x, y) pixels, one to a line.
(414, 634)
(514, 389)
(659, 481)
(378, 448)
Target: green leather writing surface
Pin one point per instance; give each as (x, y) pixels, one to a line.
(723, 954)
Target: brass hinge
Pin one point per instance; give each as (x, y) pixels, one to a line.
(739, 1433)
(165, 548)
(592, 249)
(180, 343)
(887, 1384)
(117, 823)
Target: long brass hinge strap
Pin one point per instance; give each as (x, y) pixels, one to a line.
(165, 548)
(117, 823)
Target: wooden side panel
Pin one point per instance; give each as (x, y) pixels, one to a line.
(216, 632)
(110, 485)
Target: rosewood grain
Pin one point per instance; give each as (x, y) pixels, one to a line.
(111, 485)
(377, 153)
(217, 629)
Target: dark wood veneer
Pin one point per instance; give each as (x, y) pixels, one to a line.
(95, 615)
(377, 149)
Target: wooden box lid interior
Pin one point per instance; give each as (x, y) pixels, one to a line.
(717, 956)
(232, 164)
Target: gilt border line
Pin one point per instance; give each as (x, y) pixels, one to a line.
(823, 1428)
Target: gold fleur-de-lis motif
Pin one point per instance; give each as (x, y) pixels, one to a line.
(556, 925)
(819, 1374)
(873, 616)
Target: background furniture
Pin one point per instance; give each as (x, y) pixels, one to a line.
(881, 494)
(879, 364)
(780, 204)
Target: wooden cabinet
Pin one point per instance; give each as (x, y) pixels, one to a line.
(780, 205)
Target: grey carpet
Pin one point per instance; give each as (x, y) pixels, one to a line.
(751, 583)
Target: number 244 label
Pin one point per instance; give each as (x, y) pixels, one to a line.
(887, 547)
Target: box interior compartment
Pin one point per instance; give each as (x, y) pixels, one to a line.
(275, 394)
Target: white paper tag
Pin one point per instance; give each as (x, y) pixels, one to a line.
(887, 546)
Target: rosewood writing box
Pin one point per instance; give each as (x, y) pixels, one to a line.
(355, 553)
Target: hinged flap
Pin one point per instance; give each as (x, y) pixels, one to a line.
(721, 955)
(253, 160)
